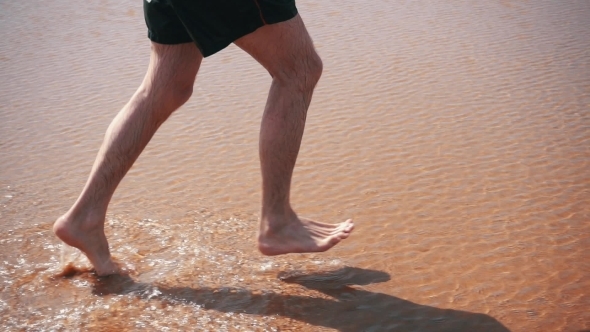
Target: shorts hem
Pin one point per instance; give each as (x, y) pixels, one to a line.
(268, 20)
(168, 40)
(173, 22)
(278, 17)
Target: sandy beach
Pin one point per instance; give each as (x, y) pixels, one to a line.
(456, 134)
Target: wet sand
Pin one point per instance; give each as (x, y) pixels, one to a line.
(456, 134)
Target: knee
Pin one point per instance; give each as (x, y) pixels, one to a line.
(158, 102)
(167, 98)
(316, 67)
(179, 95)
(303, 74)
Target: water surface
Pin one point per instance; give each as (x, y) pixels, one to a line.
(455, 133)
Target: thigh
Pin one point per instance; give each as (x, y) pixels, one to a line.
(173, 66)
(281, 48)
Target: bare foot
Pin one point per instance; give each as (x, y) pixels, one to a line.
(280, 235)
(89, 237)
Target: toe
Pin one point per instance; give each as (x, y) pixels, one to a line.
(328, 243)
(339, 229)
(333, 240)
(349, 226)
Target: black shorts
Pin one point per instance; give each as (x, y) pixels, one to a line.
(211, 24)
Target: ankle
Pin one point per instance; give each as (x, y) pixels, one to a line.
(83, 219)
(275, 220)
(282, 209)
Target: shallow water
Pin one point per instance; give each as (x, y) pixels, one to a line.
(455, 133)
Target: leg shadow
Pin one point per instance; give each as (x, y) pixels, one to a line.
(347, 309)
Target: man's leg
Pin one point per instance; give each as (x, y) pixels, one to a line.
(167, 85)
(286, 51)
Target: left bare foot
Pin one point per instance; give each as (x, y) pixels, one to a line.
(283, 235)
(88, 236)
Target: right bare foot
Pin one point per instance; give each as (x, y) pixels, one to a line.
(88, 236)
(283, 235)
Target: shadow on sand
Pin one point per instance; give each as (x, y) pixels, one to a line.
(347, 309)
